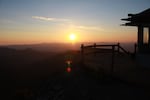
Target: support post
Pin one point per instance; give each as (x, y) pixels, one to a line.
(135, 48)
(140, 38)
(149, 36)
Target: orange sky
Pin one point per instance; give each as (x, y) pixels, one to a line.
(27, 22)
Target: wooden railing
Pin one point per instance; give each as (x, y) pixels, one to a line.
(95, 48)
(103, 48)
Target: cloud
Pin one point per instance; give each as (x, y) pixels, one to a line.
(97, 28)
(50, 19)
(68, 22)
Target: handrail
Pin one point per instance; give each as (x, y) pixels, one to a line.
(111, 50)
(104, 45)
(95, 45)
(127, 52)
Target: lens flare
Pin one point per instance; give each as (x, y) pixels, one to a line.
(68, 62)
(68, 69)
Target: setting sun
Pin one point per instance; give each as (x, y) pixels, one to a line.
(72, 36)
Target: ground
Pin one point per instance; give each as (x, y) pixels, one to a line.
(55, 83)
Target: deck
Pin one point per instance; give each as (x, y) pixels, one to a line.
(116, 64)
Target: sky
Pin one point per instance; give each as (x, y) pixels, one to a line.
(49, 21)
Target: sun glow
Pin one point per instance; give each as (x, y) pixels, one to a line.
(72, 37)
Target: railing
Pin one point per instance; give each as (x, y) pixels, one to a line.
(103, 48)
(112, 49)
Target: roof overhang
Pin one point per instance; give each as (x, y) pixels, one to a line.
(142, 19)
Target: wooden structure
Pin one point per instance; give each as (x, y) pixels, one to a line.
(103, 49)
(141, 20)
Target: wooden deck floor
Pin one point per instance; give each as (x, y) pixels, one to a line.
(125, 68)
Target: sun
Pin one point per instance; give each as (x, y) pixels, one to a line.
(72, 36)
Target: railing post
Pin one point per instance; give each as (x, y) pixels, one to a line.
(112, 63)
(94, 49)
(94, 45)
(118, 47)
(82, 53)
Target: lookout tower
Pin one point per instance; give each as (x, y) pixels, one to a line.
(142, 21)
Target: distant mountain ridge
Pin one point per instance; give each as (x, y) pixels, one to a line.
(61, 47)
(49, 47)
